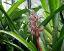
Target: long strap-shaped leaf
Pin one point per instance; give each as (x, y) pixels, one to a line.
(53, 5)
(14, 6)
(57, 45)
(8, 18)
(45, 22)
(55, 19)
(46, 8)
(45, 5)
(14, 45)
(20, 39)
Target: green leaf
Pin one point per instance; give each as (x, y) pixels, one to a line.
(46, 9)
(8, 18)
(55, 28)
(14, 45)
(37, 8)
(55, 19)
(45, 5)
(62, 32)
(54, 3)
(45, 22)
(61, 38)
(17, 14)
(14, 6)
(48, 36)
(57, 45)
(20, 39)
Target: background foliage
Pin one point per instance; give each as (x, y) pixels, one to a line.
(14, 24)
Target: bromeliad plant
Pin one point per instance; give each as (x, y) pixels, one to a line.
(14, 34)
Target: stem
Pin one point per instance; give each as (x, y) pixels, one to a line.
(37, 40)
